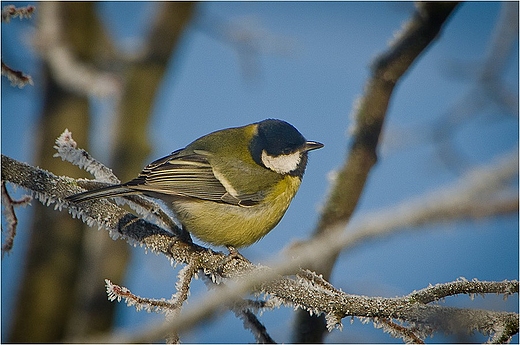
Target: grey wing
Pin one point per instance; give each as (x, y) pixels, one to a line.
(187, 174)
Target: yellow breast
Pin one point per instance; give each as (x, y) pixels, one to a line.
(229, 225)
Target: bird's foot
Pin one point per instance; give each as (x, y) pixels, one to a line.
(233, 255)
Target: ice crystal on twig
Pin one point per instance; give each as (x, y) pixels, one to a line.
(398, 331)
(116, 292)
(333, 321)
(17, 78)
(68, 151)
(463, 286)
(11, 11)
(10, 217)
(149, 210)
(182, 285)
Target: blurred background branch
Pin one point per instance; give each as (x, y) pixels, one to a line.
(369, 114)
(72, 43)
(490, 99)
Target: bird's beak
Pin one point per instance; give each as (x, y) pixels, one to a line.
(312, 145)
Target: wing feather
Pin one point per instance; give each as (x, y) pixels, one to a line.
(187, 174)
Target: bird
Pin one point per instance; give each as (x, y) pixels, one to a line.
(228, 188)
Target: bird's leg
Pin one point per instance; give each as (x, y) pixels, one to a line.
(234, 254)
(185, 235)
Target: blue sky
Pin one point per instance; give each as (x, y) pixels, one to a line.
(315, 65)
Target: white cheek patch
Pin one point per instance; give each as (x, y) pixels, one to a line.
(282, 164)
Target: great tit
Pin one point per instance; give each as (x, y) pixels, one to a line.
(228, 188)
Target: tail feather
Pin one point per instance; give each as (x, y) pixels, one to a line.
(110, 191)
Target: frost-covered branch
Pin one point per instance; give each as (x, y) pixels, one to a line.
(482, 192)
(10, 11)
(51, 189)
(17, 78)
(462, 286)
(170, 307)
(252, 323)
(10, 217)
(462, 201)
(311, 295)
(398, 331)
(304, 291)
(116, 292)
(67, 149)
(473, 197)
(368, 117)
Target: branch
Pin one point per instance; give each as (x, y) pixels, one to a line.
(368, 115)
(399, 331)
(312, 295)
(11, 11)
(470, 198)
(64, 63)
(51, 189)
(252, 323)
(490, 88)
(116, 292)
(462, 201)
(67, 149)
(462, 286)
(17, 78)
(10, 217)
(370, 111)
